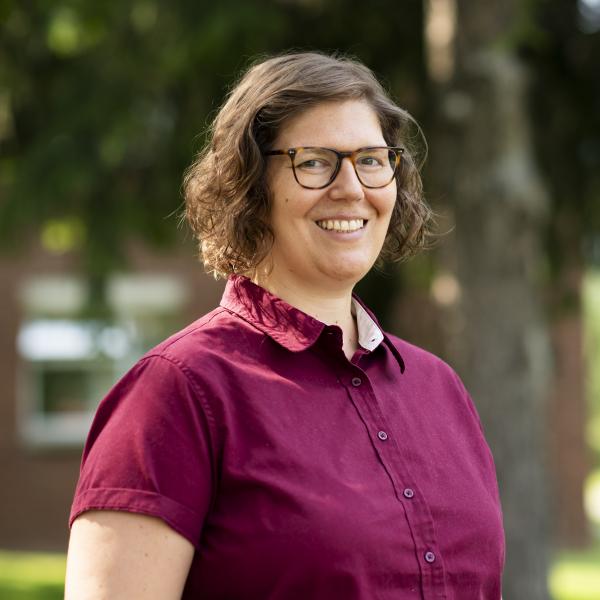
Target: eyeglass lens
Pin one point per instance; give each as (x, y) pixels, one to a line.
(315, 167)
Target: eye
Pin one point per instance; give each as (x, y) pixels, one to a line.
(314, 160)
(370, 160)
(312, 163)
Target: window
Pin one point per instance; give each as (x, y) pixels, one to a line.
(68, 361)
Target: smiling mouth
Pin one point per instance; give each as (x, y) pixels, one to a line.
(342, 225)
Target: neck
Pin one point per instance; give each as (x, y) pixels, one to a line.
(331, 306)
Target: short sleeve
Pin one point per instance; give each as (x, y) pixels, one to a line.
(149, 451)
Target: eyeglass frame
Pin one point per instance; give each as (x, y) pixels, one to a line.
(291, 152)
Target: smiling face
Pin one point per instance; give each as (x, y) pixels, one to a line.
(330, 237)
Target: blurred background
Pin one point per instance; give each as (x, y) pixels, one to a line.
(104, 104)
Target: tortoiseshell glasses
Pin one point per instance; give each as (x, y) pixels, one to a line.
(316, 168)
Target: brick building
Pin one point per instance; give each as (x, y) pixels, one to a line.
(56, 364)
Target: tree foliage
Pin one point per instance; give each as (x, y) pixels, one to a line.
(563, 52)
(104, 104)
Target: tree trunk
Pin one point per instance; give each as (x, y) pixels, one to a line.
(486, 170)
(568, 410)
(569, 454)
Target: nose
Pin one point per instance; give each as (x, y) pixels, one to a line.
(346, 184)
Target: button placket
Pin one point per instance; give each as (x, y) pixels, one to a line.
(416, 508)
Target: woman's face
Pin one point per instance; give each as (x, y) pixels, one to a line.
(306, 249)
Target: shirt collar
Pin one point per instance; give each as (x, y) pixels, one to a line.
(364, 315)
(289, 326)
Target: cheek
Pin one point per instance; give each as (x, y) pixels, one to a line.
(393, 195)
(385, 203)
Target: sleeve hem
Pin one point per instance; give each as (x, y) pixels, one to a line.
(182, 519)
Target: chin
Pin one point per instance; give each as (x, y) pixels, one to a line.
(348, 272)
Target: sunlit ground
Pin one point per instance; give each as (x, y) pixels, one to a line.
(27, 576)
(574, 575)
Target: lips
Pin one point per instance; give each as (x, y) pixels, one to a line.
(341, 225)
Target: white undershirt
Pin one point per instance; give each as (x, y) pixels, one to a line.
(369, 334)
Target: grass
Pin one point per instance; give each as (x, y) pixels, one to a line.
(32, 576)
(576, 576)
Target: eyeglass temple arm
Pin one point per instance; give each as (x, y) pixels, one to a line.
(289, 152)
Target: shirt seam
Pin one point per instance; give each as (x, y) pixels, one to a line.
(208, 412)
(88, 502)
(218, 311)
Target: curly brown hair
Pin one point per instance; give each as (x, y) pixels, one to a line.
(227, 199)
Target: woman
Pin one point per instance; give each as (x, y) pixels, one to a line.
(284, 446)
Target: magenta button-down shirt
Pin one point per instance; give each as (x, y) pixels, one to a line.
(296, 473)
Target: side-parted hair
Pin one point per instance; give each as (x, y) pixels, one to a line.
(226, 195)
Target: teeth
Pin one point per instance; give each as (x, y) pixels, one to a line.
(335, 225)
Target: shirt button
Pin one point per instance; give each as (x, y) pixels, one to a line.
(382, 435)
(430, 557)
(409, 493)
(356, 381)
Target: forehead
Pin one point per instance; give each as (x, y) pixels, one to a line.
(343, 125)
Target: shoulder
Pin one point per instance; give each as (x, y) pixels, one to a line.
(215, 339)
(217, 324)
(418, 361)
(189, 369)
(171, 386)
(428, 376)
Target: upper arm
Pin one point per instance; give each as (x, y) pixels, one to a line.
(148, 453)
(125, 555)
